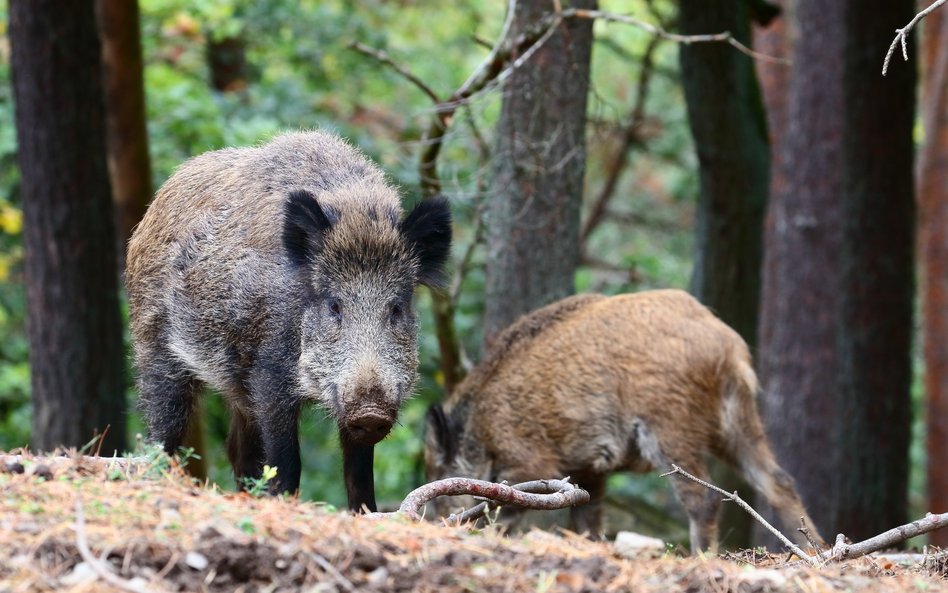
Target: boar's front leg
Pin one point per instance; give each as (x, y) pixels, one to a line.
(357, 462)
(281, 446)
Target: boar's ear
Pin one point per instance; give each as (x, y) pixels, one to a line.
(442, 437)
(304, 224)
(427, 230)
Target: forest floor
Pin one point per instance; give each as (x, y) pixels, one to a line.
(79, 525)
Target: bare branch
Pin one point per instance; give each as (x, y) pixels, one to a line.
(843, 551)
(101, 568)
(383, 57)
(629, 137)
(332, 571)
(901, 35)
(740, 502)
(723, 37)
(540, 494)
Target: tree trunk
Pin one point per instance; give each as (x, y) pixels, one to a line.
(933, 241)
(877, 275)
(538, 169)
(797, 354)
(728, 124)
(127, 140)
(76, 354)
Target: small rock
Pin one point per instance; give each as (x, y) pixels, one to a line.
(43, 471)
(196, 560)
(81, 573)
(378, 577)
(13, 467)
(634, 545)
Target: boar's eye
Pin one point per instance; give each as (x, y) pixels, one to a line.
(396, 313)
(335, 309)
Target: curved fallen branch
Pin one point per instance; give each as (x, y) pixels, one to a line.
(539, 494)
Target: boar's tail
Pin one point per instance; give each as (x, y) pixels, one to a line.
(750, 452)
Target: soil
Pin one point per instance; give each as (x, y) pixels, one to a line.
(76, 524)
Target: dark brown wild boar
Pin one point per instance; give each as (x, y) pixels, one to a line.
(592, 385)
(280, 275)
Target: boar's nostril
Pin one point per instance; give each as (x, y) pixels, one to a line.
(370, 428)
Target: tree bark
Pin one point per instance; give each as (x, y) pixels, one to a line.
(877, 275)
(76, 354)
(127, 135)
(538, 169)
(797, 355)
(932, 200)
(727, 121)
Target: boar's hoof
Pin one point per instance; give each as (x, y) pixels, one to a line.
(369, 428)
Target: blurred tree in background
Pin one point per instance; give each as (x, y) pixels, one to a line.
(75, 332)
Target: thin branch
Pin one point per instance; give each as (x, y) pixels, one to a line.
(843, 551)
(629, 137)
(901, 35)
(101, 568)
(540, 494)
(740, 502)
(723, 37)
(383, 57)
(813, 543)
(332, 571)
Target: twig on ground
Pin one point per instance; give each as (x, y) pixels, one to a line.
(843, 551)
(750, 510)
(901, 35)
(539, 494)
(813, 543)
(101, 568)
(332, 571)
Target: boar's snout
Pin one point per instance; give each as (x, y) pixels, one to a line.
(371, 417)
(370, 428)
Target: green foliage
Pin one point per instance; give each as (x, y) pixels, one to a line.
(257, 487)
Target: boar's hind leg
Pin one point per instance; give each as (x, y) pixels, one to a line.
(701, 504)
(244, 448)
(167, 394)
(269, 438)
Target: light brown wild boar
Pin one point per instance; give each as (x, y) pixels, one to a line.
(592, 385)
(282, 274)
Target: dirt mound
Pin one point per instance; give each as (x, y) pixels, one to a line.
(145, 527)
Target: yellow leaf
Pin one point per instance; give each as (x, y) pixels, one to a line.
(11, 220)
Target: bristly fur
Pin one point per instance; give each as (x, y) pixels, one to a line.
(522, 332)
(444, 432)
(427, 229)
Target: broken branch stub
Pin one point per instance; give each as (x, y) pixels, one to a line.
(539, 494)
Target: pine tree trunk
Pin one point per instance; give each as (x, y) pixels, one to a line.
(127, 141)
(877, 274)
(933, 242)
(76, 356)
(728, 124)
(797, 355)
(538, 169)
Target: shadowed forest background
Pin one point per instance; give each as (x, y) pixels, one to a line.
(801, 195)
